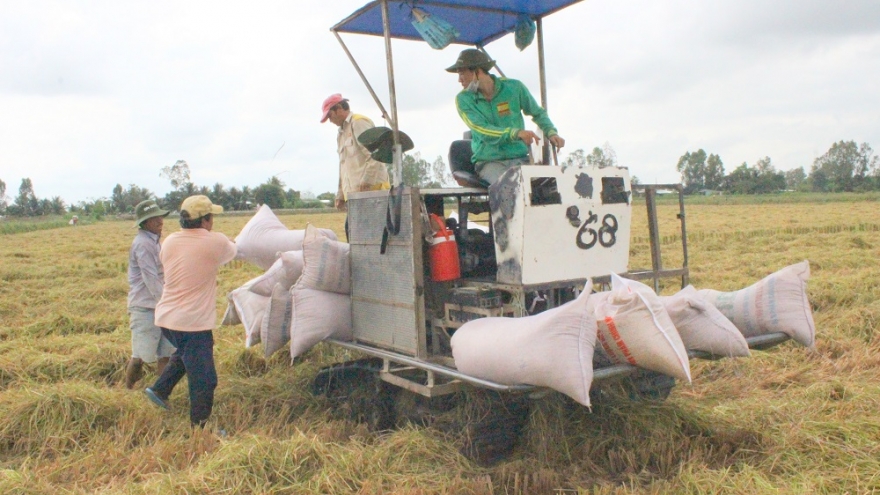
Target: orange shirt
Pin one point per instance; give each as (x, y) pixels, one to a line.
(191, 259)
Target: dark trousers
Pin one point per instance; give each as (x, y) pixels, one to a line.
(194, 358)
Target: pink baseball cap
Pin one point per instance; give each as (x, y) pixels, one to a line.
(328, 104)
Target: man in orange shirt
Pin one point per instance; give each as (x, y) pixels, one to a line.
(186, 311)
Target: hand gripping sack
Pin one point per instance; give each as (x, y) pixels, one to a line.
(264, 236)
(777, 303)
(702, 327)
(551, 349)
(634, 328)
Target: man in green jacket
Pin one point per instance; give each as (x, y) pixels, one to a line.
(493, 108)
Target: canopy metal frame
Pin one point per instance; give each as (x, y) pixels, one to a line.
(475, 7)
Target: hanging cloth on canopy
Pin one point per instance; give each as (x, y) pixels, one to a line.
(437, 32)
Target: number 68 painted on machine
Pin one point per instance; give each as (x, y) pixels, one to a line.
(606, 234)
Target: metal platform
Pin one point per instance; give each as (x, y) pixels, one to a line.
(441, 379)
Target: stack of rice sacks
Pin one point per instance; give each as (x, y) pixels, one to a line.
(304, 295)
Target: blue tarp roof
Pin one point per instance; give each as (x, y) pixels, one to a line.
(478, 21)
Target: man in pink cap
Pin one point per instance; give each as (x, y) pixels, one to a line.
(358, 171)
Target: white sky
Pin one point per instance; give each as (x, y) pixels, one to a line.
(99, 93)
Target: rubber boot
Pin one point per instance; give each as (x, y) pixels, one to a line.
(160, 365)
(134, 372)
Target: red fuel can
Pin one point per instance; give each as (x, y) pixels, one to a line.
(443, 253)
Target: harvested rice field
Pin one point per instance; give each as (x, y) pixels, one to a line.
(787, 420)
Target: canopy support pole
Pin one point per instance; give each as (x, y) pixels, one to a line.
(545, 147)
(397, 155)
(364, 79)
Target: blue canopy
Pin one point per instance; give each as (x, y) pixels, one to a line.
(478, 21)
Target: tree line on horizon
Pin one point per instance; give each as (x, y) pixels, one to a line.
(416, 171)
(845, 167)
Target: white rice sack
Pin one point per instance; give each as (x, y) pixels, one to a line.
(551, 349)
(777, 303)
(263, 284)
(326, 263)
(250, 307)
(274, 331)
(264, 236)
(286, 270)
(634, 328)
(293, 267)
(230, 317)
(316, 315)
(702, 327)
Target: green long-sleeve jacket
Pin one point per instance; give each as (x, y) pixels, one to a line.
(495, 124)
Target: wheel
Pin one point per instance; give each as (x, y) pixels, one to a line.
(356, 392)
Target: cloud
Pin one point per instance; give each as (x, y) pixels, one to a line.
(99, 93)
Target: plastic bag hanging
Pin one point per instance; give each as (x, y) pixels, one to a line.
(437, 32)
(524, 33)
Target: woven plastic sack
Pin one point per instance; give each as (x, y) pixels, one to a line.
(286, 270)
(326, 263)
(550, 349)
(293, 266)
(777, 303)
(316, 315)
(250, 308)
(264, 237)
(634, 328)
(230, 316)
(702, 327)
(274, 329)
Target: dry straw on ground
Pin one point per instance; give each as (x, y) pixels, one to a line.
(786, 420)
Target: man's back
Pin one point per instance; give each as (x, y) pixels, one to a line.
(192, 258)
